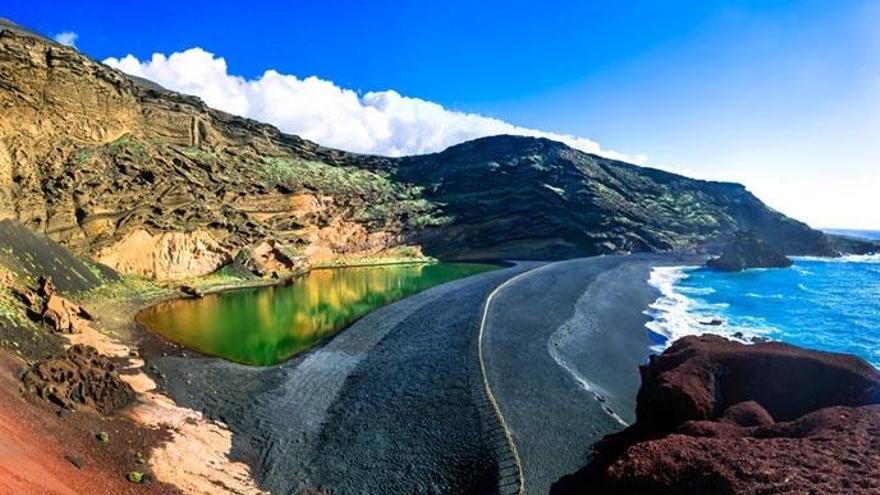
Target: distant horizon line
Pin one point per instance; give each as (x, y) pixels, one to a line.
(838, 230)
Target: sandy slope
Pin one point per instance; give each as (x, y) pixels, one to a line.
(37, 445)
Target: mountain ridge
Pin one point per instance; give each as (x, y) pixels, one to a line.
(601, 205)
(107, 166)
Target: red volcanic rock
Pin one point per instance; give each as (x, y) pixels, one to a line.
(835, 450)
(76, 377)
(700, 377)
(720, 417)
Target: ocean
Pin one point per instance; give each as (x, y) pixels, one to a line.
(826, 304)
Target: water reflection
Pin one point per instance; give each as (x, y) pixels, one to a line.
(268, 325)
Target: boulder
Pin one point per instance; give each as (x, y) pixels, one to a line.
(745, 250)
(717, 416)
(33, 303)
(192, 291)
(64, 316)
(79, 376)
(47, 288)
(48, 306)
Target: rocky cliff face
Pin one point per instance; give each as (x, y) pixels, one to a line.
(104, 165)
(108, 167)
(716, 416)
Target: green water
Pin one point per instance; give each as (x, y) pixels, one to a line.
(269, 325)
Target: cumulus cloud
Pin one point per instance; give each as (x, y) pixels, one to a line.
(67, 38)
(377, 122)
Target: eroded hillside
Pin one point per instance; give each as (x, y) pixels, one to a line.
(155, 183)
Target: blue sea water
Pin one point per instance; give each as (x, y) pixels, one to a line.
(825, 304)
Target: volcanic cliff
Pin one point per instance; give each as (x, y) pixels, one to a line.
(155, 183)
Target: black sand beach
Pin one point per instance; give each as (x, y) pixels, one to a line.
(393, 404)
(562, 346)
(396, 403)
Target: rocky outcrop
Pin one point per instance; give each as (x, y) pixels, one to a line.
(716, 416)
(92, 159)
(64, 316)
(745, 250)
(271, 257)
(854, 245)
(49, 307)
(165, 256)
(79, 376)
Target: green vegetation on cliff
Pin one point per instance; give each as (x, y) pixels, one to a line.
(137, 165)
(511, 196)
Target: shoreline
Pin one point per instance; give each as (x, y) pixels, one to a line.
(314, 420)
(563, 346)
(288, 430)
(194, 456)
(178, 296)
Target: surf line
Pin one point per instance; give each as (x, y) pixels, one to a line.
(584, 384)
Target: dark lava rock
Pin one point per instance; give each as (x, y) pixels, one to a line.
(191, 291)
(746, 250)
(79, 376)
(721, 417)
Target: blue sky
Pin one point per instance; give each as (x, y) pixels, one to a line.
(782, 96)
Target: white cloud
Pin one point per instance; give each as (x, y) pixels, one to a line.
(380, 122)
(67, 38)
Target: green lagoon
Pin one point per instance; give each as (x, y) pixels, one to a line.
(269, 325)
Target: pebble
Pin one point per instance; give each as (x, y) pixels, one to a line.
(76, 461)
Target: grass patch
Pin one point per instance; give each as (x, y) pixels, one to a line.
(126, 146)
(200, 155)
(83, 155)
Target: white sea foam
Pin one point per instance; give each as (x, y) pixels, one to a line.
(802, 271)
(764, 296)
(697, 291)
(670, 312)
(675, 315)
